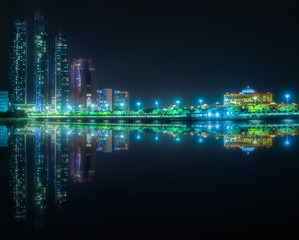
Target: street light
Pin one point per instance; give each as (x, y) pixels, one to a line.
(157, 104)
(287, 96)
(138, 105)
(200, 101)
(255, 97)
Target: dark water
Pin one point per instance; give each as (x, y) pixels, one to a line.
(215, 179)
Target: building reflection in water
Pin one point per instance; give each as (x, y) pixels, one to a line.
(18, 174)
(63, 154)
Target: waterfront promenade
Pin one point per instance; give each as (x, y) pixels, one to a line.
(171, 118)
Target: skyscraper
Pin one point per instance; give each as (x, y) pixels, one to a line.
(61, 73)
(18, 63)
(83, 84)
(41, 61)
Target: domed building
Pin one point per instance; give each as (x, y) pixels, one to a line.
(247, 97)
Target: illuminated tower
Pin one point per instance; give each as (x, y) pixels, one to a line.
(41, 61)
(18, 63)
(61, 73)
(83, 84)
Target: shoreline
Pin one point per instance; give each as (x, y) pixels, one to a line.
(150, 119)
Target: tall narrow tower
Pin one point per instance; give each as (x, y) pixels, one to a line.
(61, 73)
(18, 63)
(41, 61)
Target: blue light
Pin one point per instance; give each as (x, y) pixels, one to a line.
(138, 103)
(246, 91)
(287, 142)
(287, 95)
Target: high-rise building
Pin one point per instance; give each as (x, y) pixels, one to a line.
(83, 84)
(61, 73)
(3, 101)
(121, 101)
(105, 100)
(18, 63)
(41, 61)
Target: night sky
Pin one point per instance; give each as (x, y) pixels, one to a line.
(167, 50)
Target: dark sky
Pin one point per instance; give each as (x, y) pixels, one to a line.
(169, 50)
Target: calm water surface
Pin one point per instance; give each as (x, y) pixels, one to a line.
(208, 179)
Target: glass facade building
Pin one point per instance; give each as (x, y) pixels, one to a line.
(18, 63)
(105, 100)
(121, 101)
(3, 101)
(61, 73)
(83, 84)
(41, 61)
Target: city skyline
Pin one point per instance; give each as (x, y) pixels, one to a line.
(183, 85)
(149, 118)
